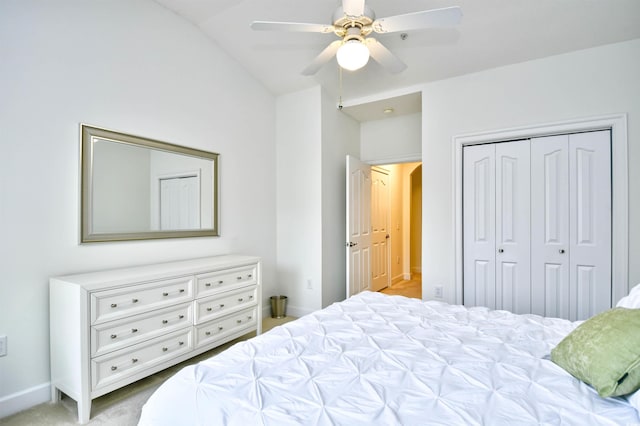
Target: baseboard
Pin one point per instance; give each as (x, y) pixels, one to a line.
(398, 278)
(296, 312)
(417, 269)
(20, 401)
(291, 311)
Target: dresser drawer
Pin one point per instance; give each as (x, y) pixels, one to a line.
(212, 307)
(114, 335)
(226, 279)
(119, 365)
(217, 329)
(119, 303)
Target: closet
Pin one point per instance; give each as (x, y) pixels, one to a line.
(537, 225)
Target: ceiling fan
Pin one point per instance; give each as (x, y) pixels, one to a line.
(353, 22)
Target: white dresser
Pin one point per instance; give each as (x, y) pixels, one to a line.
(111, 328)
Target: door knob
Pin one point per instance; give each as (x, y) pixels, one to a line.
(350, 244)
(561, 251)
(500, 250)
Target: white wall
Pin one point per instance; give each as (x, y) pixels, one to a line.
(299, 199)
(313, 139)
(340, 136)
(130, 66)
(393, 138)
(120, 201)
(585, 83)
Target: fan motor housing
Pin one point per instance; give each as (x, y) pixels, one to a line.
(343, 22)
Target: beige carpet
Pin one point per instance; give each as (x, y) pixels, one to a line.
(121, 407)
(408, 288)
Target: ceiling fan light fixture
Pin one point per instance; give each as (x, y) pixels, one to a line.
(353, 55)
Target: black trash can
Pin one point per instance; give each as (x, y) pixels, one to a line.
(278, 306)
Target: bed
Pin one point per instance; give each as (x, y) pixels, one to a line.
(389, 360)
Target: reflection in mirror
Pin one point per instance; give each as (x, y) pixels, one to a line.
(138, 188)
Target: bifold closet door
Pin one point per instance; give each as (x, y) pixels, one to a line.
(496, 210)
(571, 225)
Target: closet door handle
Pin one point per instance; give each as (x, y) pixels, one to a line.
(561, 251)
(500, 250)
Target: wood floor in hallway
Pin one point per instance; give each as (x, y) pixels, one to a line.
(408, 288)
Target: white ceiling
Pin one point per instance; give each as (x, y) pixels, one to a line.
(492, 33)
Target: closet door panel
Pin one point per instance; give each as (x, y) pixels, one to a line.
(590, 231)
(513, 226)
(550, 226)
(479, 225)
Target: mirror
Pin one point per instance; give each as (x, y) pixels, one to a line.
(136, 188)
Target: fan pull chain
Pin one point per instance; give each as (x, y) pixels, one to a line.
(339, 87)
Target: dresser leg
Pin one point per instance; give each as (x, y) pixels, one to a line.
(84, 410)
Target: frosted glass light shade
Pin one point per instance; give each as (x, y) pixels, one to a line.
(352, 55)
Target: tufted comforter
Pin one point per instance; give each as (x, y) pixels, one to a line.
(389, 360)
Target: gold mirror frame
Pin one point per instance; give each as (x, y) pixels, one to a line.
(90, 136)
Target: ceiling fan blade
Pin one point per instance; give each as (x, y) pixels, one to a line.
(291, 26)
(384, 57)
(353, 7)
(324, 57)
(434, 18)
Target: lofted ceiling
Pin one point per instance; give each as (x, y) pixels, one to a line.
(492, 33)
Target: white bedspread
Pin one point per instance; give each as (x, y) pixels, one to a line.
(389, 360)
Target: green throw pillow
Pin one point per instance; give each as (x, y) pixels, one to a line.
(604, 352)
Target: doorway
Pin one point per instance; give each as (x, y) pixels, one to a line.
(405, 229)
(400, 207)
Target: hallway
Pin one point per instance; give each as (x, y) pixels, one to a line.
(408, 288)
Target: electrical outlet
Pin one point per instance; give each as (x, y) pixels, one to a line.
(438, 292)
(309, 284)
(3, 345)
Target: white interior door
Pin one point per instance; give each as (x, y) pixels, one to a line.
(496, 226)
(550, 226)
(590, 216)
(358, 226)
(379, 229)
(479, 244)
(180, 203)
(571, 245)
(513, 226)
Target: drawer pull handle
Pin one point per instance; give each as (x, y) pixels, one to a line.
(239, 321)
(222, 305)
(135, 301)
(113, 336)
(165, 349)
(180, 316)
(240, 300)
(134, 360)
(181, 343)
(114, 368)
(220, 328)
(220, 282)
(208, 333)
(134, 330)
(114, 305)
(250, 297)
(207, 285)
(209, 309)
(238, 278)
(181, 290)
(248, 318)
(249, 276)
(165, 294)
(165, 321)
